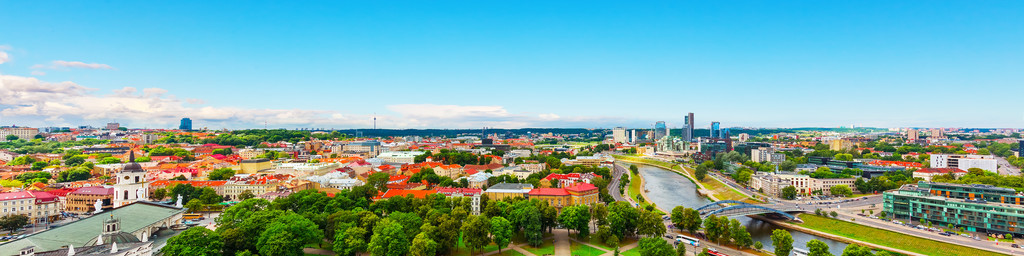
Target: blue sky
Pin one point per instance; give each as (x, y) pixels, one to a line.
(455, 64)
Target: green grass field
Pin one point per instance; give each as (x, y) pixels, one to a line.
(632, 252)
(887, 238)
(580, 249)
(548, 247)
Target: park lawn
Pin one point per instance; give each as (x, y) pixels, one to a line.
(461, 249)
(548, 247)
(886, 238)
(608, 247)
(580, 249)
(721, 190)
(632, 252)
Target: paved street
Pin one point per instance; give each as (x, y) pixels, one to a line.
(613, 185)
(1005, 168)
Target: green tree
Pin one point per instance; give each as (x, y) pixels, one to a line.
(389, 239)
(12, 223)
(576, 218)
(655, 246)
(349, 239)
(109, 160)
(246, 195)
(501, 232)
(474, 232)
(817, 248)
(701, 172)
(758, 245)
(740, 235)
(681, 250)
(74, 160)
(193, 241)
(856, 250)
(194, 205)
(532, 226)
(448, 234)
(712, 229)
(288, 234)
(599, 212)
(650, 224)
(622, 218)
(789, 193)
(74, 174)
(844, 157)
(159, 194)
(691, 220)
(782, 241)
(842, 190)
(423, 245)
(221, 174)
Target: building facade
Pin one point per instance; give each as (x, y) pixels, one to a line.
(977, 208)
(22, 133)
(964, 162)
(186, 124)
(503, 190)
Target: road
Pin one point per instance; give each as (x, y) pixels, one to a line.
(613, 186)
(1005, 168)
(958, 240)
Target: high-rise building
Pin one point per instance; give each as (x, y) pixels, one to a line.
(716, 131)
(619, 135)
(186, 124)
(632, 136)
(688, 127)
(912, 135)
(113, 126)
(660, 130)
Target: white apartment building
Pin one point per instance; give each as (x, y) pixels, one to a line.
(619, 135)
(405, 157)
(964, 162)
(766, 154)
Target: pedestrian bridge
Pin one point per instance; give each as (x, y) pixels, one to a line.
(732, 208)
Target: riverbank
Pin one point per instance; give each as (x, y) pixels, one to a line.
(711, 187)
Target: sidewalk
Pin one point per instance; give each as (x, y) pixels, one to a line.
(562, 242)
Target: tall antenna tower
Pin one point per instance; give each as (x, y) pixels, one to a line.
(375, 120)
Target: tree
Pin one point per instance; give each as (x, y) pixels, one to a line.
(650, 224)
(288, 234)
(701, 172)
(758, 245)
(677, 215)
(599, 212)
(160, 193)
(75, 174)
(856, 250)
(782, 241)
(448, 234)
(844, 157)
(681, 250)
(655, 246)
(622, 218)
(712, 229)
(388, 239)
(423, 245)
(691, 220)
(194, 205)
(789, 192)
(843, 190)
(74, 160)
(11, 137)
(576, 218)
(246, 195)
(194, 241)
(740, 235)
(221, 174)
(109, 160)
(12, 223)
(833, 214)
(501, 232)
(532, 226)
(474, 232)
(349, 240)
(817, 248)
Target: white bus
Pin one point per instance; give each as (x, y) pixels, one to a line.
(800, 252)
(688, 240)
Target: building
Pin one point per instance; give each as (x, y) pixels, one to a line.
(368, 148)
(619, 135)
(250, 153)
(743, 137)
(578, 194)
(21, 132)
(256, 184)
(131, 227)
(660, 130)
(84, 199)
(186, 124)
(936, 134)
(113, 126)
(976, 208)
(503, 190)
(131, 183)
(405, 157)
(38, 206)
(766, 155)
(964, 162)
(772, 184)
(928, 173)
(840, 144)
(472, 193)
(568, 179)
(688, 127)
(479, 179)
(252, 166)
(716, 130)
(912, 135)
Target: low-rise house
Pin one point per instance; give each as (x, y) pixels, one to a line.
(37, 205)
(84, 199)
(473, 193)
(503, 190)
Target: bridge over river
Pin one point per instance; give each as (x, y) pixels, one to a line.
(733, 208)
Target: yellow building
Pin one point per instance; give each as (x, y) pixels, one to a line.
(578, 194)
(503, 190)
(252, 166)
(840, 144)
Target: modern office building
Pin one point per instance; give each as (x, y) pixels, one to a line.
(619, 135)
(688, 128)
(660, 130)
(867, 171)
(716, 130)
(186, 124)
(912, 135)
(976, 208)
(964, 162)
(766, 154)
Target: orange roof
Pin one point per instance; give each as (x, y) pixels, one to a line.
(194, 183)
(402, 192)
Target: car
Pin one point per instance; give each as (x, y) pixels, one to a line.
(668, 236)
(945, 234)
(1015, 246)
(712, 249)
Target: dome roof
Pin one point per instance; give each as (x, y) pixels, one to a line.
(119, 237)
(132, 166)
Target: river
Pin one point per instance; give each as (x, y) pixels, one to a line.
(668, 189)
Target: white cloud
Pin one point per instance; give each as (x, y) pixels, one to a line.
(64, 65)
(3, 53)
(38, 73)
(549, 117)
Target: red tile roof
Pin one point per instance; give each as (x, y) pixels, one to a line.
(549, 192)
(94, 190)
(941, 170)
(581, 187)
(402, 192)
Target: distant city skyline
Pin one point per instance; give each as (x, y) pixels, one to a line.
(492, 64)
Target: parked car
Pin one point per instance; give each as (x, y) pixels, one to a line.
(1015, 246)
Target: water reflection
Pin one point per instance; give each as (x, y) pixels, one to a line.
(668, 190)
